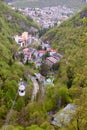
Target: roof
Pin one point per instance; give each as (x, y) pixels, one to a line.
(26, 49)
(21, 87)
(58, 55)
(42, 51)
(52, 50)
(52, 59)
(24, 33)
(56, 58)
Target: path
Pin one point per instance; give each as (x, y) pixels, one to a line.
(36, 87)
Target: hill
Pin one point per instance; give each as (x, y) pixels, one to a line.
(70, 39)
(76, 4)
(11, 23)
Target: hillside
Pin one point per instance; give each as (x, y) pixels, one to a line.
(11, 23)
(70, 39)
(76, 4)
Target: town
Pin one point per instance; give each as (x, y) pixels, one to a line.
(46, 17)
(34, 50)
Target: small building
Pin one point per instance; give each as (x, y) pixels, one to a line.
(41, 53)
(58, 55)
(52, 52)
(51, 60)
(16, 37)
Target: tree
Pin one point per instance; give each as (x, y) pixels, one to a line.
(55, 66)
(21, 57)
(81, 116)
(63, 92)
(70, 75)
(20, 104)
(34, 127)
(47, 54)
(44, 69)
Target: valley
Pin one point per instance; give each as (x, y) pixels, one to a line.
(43, 77)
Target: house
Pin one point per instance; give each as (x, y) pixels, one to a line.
(28, 53)
(16, 37)
(24, 35)
(36, 54)
(41, 53)
(19, 40)
(51, 60)
(46, 46)
(52, 52)
(57, 55)
(24, 38)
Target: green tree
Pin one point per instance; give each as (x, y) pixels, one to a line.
(63, 92)
(44, 69)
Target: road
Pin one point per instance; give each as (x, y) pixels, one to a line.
(36, 87)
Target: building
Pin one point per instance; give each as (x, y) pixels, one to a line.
(51, 60)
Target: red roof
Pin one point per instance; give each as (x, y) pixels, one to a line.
(42, 51)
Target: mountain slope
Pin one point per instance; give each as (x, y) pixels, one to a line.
(70, 39)
(11, 23)
(42, 3)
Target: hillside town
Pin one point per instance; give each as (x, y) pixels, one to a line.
(34, 50)
(46, 17)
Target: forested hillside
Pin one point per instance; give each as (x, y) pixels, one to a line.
(70, 39)
(11, 23)
(76, 4)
